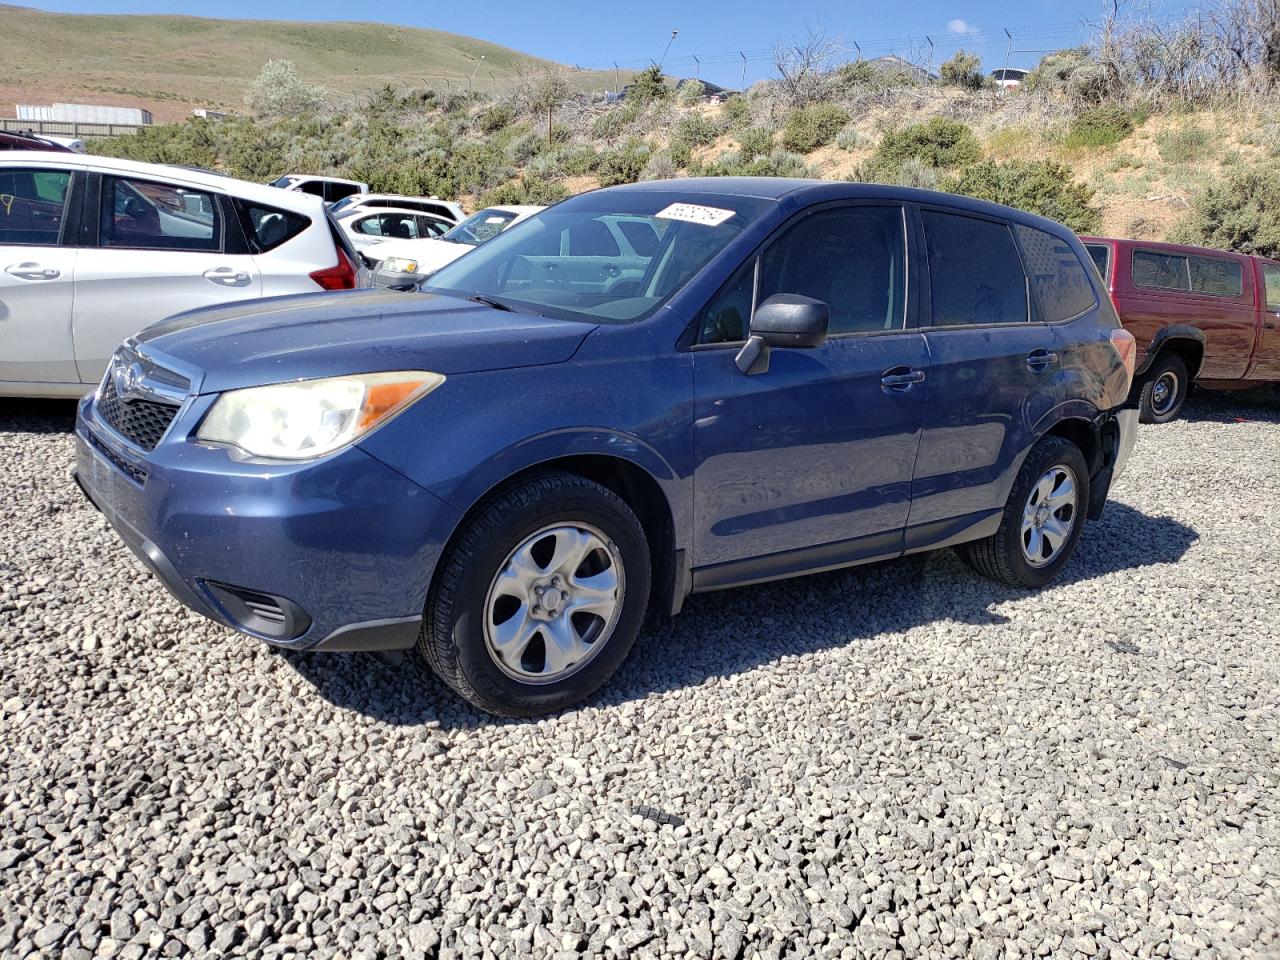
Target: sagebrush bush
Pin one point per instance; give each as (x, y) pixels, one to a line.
(755, 142)
(527, 189)
(736, 111)
(963, 70)
(1073, 73)
(695, 130)
(850, 139)
(624, 163)
(938, 143)
(648, 85)
(1184, 145)
(1102, 126)
(691, 91)
(776, 163)
(1240, 211)
(659, 167)
(1038, 186)
(493, 118)
(814, 126)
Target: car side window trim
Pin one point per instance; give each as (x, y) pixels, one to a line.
(762, 249)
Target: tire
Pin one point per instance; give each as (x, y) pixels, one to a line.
(1003, 556)
(1164, 389)
(522, 531)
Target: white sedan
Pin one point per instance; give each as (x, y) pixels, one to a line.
(403, 263)
(367, 226)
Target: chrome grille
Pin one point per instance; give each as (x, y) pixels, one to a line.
(138, 399)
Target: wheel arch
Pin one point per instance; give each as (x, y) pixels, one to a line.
(1187, 342)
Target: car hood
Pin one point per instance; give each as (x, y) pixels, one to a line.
(358, 331)
(430, 254)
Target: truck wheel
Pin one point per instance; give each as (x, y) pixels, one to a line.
(1042, 518)
(540, 599)
(1164, 390)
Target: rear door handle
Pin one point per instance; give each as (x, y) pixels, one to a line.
(227, 277)
(1041, 359)
(901, 379)
(32, 271)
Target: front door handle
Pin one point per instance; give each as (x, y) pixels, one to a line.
(32, 271)
(901, 379)
(1041, 359)
(227, 277)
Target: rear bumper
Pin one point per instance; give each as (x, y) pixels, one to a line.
(332, 555)
(1127, 423)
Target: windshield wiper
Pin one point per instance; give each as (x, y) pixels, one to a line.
(490, 302)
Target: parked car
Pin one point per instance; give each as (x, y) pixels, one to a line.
(1198, 315)
(29, 141)
(1007, 78)
(367, 226)
(74, 144)
(329, 189)
(92, 249)
(508, 469)
(446, 209)
(401, 264)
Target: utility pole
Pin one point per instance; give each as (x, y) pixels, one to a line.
(744, 71)
(668, 50)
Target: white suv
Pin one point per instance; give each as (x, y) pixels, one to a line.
(447, 209)
(93, 249)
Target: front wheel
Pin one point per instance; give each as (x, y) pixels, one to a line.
(1164, 390)
(1042, 519)
(540, 599)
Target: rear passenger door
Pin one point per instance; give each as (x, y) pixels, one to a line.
(159, 251)
(37, 265)
(993, 374)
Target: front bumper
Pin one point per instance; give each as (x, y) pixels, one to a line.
(334, 554)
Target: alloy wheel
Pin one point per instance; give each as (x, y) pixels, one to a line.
(1050, 516)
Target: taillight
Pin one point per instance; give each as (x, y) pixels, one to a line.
(340, 277)
(1126, 349)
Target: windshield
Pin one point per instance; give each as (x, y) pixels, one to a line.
(479, 227)
(344, 203)
(608, 257)
(283, 181)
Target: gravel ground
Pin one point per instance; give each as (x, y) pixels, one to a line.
(897, 761)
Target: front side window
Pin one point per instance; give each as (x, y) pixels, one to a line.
(1160, 271)
(851, 258)
(727, 317)
(1061, 283)
(32, 206)
(431, 227)
(566, 262)
(479, 227)
(144, 215)
(975, 272)
(1100, 253)
(1215, 277)
(1271, 277)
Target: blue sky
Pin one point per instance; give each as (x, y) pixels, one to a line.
(594, 33)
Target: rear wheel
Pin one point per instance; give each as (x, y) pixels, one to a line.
(1042, 519)
(540, 599)
(1164, 390)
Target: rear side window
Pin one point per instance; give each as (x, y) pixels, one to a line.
(146, 215)
(1060, 280)
(975, 272)
(267, 227)
(1271, 277)
(1216, 278)
(1100, 253)
(333, 192)
(1160, 271)
(32, 206)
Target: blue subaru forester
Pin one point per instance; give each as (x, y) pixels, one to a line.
(643, 392)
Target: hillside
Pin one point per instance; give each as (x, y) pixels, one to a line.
(169, 64)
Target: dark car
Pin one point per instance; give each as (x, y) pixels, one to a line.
(511, 467)
(1198, 314)
(29, 141)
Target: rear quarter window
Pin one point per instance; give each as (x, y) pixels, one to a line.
(1060, 280)
(267, 227)
(1216, 278)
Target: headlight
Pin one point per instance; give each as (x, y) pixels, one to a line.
(399, 265)
(309, 418)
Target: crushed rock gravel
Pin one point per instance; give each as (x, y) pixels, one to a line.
(902, 760)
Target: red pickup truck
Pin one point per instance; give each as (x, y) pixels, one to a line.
(1197, 314)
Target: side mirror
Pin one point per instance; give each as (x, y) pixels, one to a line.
(784, 320)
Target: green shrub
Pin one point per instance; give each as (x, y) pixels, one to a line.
(910, 173)
(963, 70)
(494, 117)
(579, 160)
(1037, 186)
(1102, 126)
(624, 163)
(691, 91)
(1240, 212)
(850, 139)
(527, 189)
(1184, 146)
(1071, 72)
(938, 143)
(659, 167)
(813, 126)
(755, 142)
(777, 163)
(614, 122)
(736, 111)
(648, 85)
(850, 76)
(695, 130)
(681, 155)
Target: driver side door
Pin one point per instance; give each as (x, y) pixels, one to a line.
(808, 464)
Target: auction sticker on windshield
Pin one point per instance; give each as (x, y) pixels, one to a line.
(694, 213)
